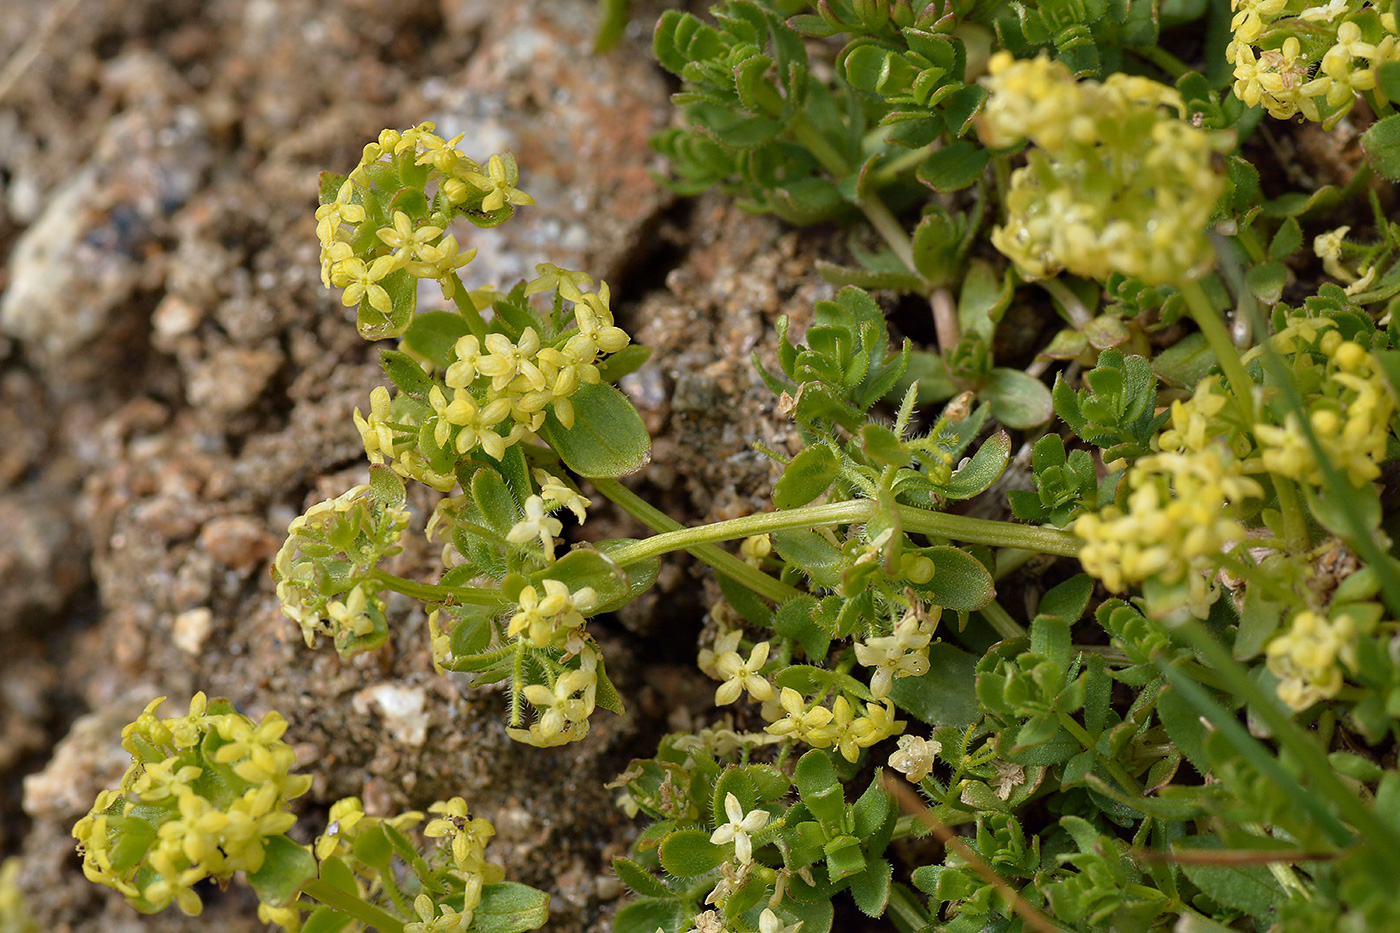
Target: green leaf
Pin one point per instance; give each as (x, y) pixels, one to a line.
(960, 582)
(819, 787)
(1184, 727)
(624, 362)
(796, 620)
(403, 297)
(372, 847)
(608, 437)
(1266, 280)
(286, 867)
(647, 916)
(1250, 889)
(385, 486)
(508, 907)
(954, 167)
(947, 694)
(640, 880)
(871, 888)
(641, 575)
(1287, 239)
(585, 567)
(326, 920)
(985, 468)
(1381, 143)
(1185, 362)
(1069, 599)
(404, 372)
(612, 26)
(434, 334)
(818, 557)
(687, 853)
(1018, 401)
(335, 872)
(807, 476)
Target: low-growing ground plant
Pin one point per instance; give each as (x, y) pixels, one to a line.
(1196, 727)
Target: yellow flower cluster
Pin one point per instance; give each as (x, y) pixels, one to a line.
(1296, 62)
(1116, 184)
(359, 264)
(495, 395)
(1306, 658)
(207, 815)
(837, 726)
(1350, 420)
(564, 708)
(348, 820)
(902, 654)
(551, 620)
(1182, 518)
(723, 662)
(298, 584)
(465, 838)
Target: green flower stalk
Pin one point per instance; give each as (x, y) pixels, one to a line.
(202, 797)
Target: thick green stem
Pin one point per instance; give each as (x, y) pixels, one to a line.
(1162, 59)
(920, 521)
(659, 521)
(1082, 736)
(437, 593)
(1295, 523)
(892, 169)
(351, 905)
(875, 210)
(475, 322)
(1000, 620)
(890, 230)
(1384, 841)
(1208, 319)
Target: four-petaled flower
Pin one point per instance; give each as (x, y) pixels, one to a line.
(537, 523)
(739, 828)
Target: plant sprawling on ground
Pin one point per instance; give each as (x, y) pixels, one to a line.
(1196, 730)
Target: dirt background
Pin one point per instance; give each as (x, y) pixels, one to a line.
(175, 387)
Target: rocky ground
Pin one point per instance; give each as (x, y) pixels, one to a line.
(175, 386)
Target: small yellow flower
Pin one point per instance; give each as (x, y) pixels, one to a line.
(498, 183)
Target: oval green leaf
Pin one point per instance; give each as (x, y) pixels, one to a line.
(608, 437)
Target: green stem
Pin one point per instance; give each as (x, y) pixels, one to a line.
(1385, 842)
(920, 521)
(991, 533)
(1295, 523)
(892, 169)
(1074, 311)
(1250, 241)
(1358, 180)
(1218, 338)
(1162, 59)
(1000, 620)
(351, 905)
(811, 137)
(726, 563)
(436, 592)
(1115, 769)
(890, 229)
(875, 210)
(475, 322)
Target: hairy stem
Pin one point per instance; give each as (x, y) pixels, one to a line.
(726, 563)
(436, 592)
(920, 521)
